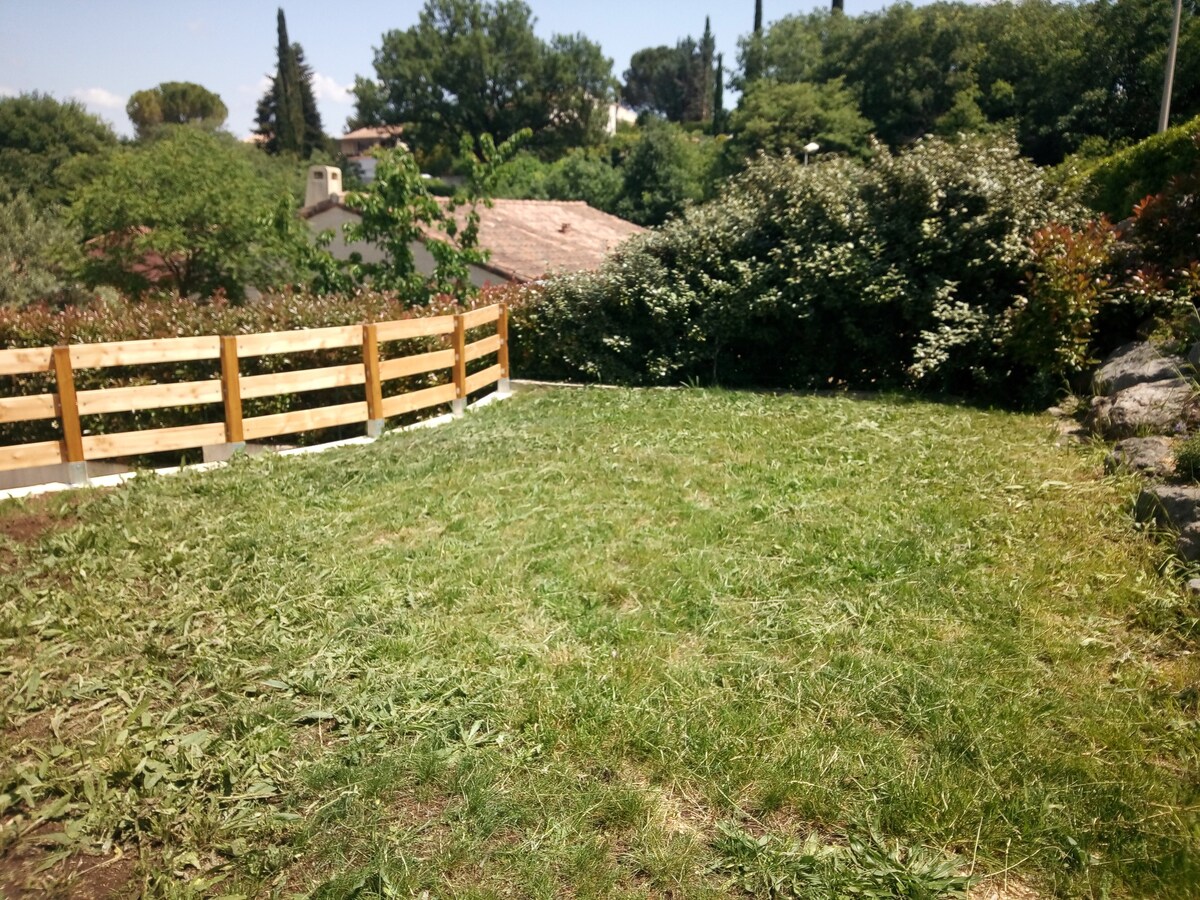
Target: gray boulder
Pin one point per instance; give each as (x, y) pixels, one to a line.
(1147, 455)
(1187, 544)
(1136, 363)
(1158, 407)
(1174, 506)
(1194, 355)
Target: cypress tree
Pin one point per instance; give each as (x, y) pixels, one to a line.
(287, 113)
(704, 73)
(754, 50)
(718, 102)
(289, 110)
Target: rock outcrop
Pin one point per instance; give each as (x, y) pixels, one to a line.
(1152, 456)
(1136, 363)
(1156, 407)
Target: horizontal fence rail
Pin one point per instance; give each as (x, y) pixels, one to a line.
(231, 387)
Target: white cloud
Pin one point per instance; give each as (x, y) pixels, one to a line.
(6, 91)
(257, 89)
(197, 26)
(328, 90)
(99, 98)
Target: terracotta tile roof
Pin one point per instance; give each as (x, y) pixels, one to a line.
(373, 131)
(532, 238)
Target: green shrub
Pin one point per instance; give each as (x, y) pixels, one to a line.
(1050, 328)
(902, 271)
(1187, 458)
(1114, 185)
(38, 253)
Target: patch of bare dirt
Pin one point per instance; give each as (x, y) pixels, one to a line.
(1002, 887)
(29, 869)
(28, 525)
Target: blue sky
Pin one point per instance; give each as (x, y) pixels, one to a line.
(101, 51)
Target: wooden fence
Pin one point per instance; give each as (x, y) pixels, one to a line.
(231, 388)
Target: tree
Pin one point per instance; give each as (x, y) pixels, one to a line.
(753, 46)
(656, 81)
(287, 115)
(777, 117)
(582, 175)
(702, 75)
(48, 148)
(720, 120)
(663, 171)
(471, 67)
(675, 82)
(187, 212)
(38, 252)
(578, 120)
(175, 103)
(397, 212)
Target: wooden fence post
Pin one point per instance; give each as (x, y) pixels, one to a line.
(374, 385)
(231, 396)
(459, 404)
(68, 415)
(502, 387)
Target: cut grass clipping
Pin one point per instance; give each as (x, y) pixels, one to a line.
(605, 644)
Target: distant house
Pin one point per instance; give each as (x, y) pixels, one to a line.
(619, 114)
(356, 144)
(527, 239)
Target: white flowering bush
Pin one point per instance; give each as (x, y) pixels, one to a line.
(899, 272)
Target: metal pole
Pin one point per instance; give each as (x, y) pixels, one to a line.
(1164, 112)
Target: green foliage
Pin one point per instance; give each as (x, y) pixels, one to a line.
(585, 175)
(865, 866)
(175, 103)
(899, 272)
(398, 212)
(1115, 184)
(1051, 329)
(1054, 74)
(665, 169)
(644, 175)
(1165, 225)
(779, 118)
(473, 67)
(48, 148)
(677, 82)
(187, 213)
(287, 115)
(1187, 458)
(38, 254)
(522, 178)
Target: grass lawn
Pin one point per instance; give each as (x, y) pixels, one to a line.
(605, 644)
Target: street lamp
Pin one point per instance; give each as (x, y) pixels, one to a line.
(810, 147)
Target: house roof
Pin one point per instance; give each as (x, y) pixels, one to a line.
(531, 238)
(382, 132)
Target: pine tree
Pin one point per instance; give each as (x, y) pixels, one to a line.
(838, 6)
(287, 113)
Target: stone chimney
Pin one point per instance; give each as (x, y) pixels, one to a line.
(324, 183)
